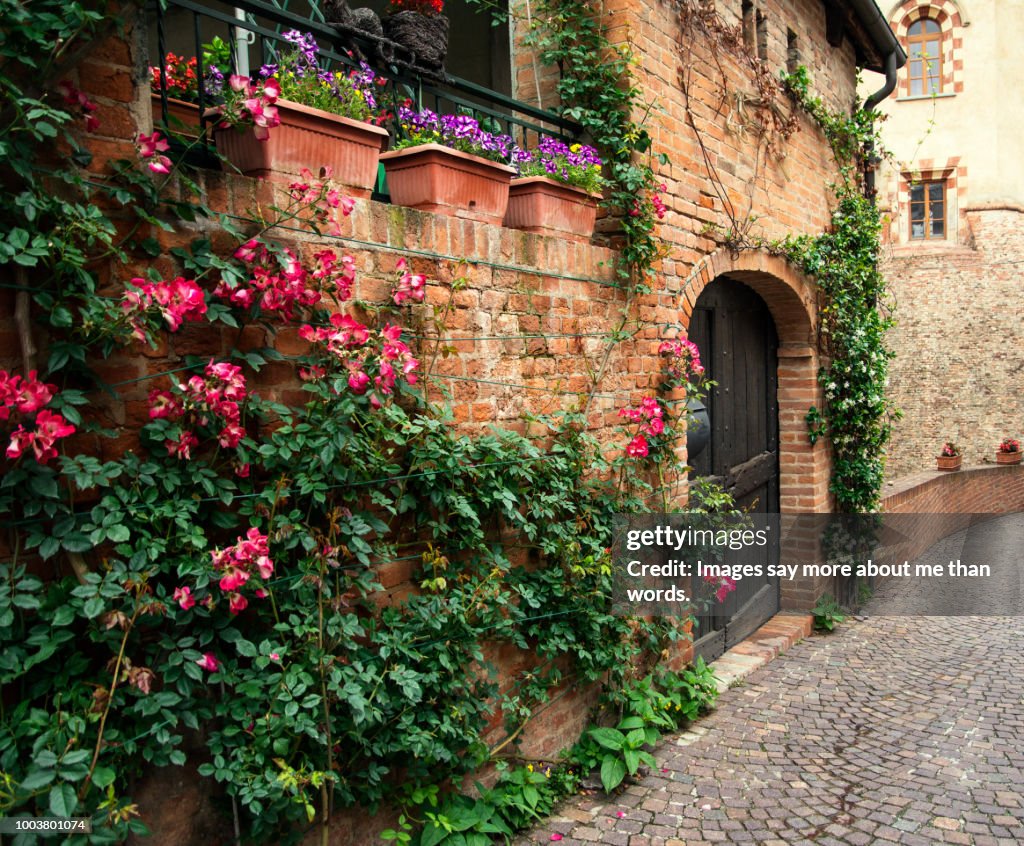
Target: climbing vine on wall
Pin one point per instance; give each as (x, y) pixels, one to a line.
(598, 88)
(855, 312)
(210, 590)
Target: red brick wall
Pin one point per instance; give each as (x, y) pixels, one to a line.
(521, 283)
(973, 490)
(772, 185)
(947, 500)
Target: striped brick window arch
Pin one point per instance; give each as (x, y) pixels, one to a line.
(932, 36)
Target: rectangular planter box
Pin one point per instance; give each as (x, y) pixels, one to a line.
(308, 138)
(182, 116)
(1008, 457)
(435, 178)
(548, 207)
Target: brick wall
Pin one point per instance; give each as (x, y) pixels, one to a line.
(726, 173)
(525, 284)
(949, 500)
(973, 490)
(958, 372)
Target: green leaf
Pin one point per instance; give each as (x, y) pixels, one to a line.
(246, 649)
(63, 801)
(118, 534)
(63, 616)
(432, 834)
(77, 542)
(48, 547)
(45, 486)
(103, 776)
(37, 779)
(93, 607)
(609, 738)
(613, 771)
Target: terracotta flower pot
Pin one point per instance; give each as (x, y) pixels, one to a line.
(431, 177)
(549, 207)
(308, 138)
(949, 462)
(182, 116)
(1008, 458)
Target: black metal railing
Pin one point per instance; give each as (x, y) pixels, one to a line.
(252, 29)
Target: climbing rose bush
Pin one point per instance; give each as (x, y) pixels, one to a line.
(411, 286)
(178, 301)
(250, 104)
(649, 418)
(23, 400)
(210, 403)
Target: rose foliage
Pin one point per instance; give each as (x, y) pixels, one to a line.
(213, 585)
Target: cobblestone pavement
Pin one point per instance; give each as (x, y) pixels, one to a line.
(904, 730)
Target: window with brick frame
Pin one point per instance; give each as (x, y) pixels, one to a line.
(761, 25)
(747, 24)
(928, 210)
(924, 57)
(932, 34)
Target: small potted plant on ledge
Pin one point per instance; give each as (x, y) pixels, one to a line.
(950, 457)
(557, 191)
(177, 78)
(319, 120)
(448, 164)
(1008, 451)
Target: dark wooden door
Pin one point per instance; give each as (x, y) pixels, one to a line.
(735, 333)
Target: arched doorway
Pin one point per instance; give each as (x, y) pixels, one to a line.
(739, 346)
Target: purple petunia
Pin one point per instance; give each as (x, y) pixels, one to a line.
(575, 164)
(460, 132)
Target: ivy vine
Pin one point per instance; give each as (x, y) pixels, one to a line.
(598, 88)
(855, 313)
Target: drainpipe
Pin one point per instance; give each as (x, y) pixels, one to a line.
(885, 43)
(892, 64)
(243, 38)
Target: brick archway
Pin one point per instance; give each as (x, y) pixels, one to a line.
(804, 470)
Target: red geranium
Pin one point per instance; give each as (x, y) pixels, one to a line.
(424, 7)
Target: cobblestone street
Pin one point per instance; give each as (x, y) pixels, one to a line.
(904, 730)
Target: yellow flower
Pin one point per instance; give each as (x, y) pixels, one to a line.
(575, 148)
(529, 767)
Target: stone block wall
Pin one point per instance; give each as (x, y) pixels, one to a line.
(958, 374)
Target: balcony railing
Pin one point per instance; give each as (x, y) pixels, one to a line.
(253, 31)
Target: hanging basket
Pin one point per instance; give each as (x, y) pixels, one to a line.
(425, 36)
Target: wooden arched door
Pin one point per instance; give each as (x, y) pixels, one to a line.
(735, 332)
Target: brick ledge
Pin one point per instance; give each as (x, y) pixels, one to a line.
(773, 638)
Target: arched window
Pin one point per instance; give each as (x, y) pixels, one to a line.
(924, 54)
